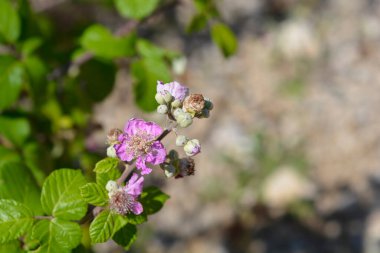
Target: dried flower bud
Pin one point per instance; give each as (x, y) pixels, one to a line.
(162, 109)
(113, 136)
(181, 140)
(192, 147)
(186, 167)
(159, 98)
(194, 104)
(184, 119)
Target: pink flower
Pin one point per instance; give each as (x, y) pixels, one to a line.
(124, 200)
(139, 142)
(178, 91)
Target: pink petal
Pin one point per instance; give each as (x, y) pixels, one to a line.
(140, 164)
(138, 126)
(137, 208)
(157, 153)
(121, 149)
(134, 185)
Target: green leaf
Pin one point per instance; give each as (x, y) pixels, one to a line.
(12, 76)
(153, 199)
(146, 72)
(126, 236)
(37, 81)
(11, 246)
(103, 178)
(17, 183)
(9, 21)
(105, 225)
(224, 38)
(14, 129)
(61, 197)
(94, 194)
(15, 220)
(30, 45)
(99, 40)
(8, 155)
(147, 49)
(97, 79)
(56, 235)
(107, 164)
(136, 9)
(136, 219)
(197, 23)
(37, 158)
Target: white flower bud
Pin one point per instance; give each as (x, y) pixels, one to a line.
(192, 147)
(162, 109)
(111, 152)
(168, 97)
(111, 186)
(181, 140)
(176, 103)
(177, 112)
(159, 98)
(184, 119)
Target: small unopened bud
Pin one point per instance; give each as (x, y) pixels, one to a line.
(192, 147)
(167, 96)
(159, 98)
(111, 187)
(184, 119)
(111, 151)
(181, 140)
(208, 104)
(162, 109)
(113, 136)
(170, 171)
(176, 103)
(177, 112)
(194, 104)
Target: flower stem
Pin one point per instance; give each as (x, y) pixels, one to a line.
(125, 174)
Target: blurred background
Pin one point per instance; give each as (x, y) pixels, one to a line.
(290, 156)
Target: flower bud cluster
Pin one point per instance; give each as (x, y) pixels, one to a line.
(140, 144)
(175, 101)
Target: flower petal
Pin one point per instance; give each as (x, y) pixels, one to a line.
(140, 164)
(139, 126)
(134, 185)
(157, 153)
(121, 149)
(137, 208)
(174, 88)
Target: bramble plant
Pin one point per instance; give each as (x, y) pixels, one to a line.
(52, 74)
(112, 207)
